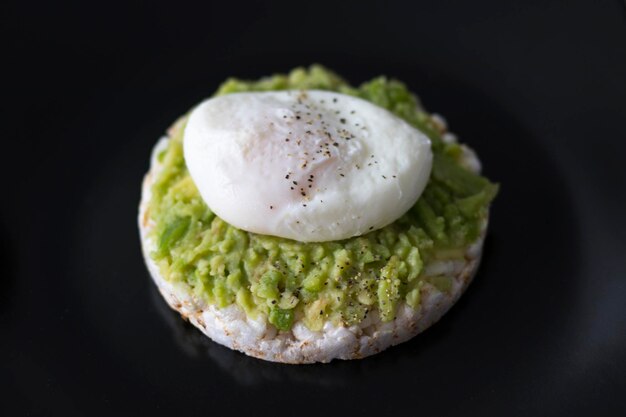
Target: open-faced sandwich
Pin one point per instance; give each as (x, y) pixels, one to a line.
(299, 219)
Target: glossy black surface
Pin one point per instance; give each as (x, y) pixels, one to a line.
(538, 89)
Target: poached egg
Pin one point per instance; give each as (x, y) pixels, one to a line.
(308, 165)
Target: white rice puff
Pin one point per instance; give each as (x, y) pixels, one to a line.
(230, 327)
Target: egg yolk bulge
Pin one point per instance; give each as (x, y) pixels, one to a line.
(311, 165)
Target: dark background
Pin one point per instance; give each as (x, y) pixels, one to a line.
(537, 87)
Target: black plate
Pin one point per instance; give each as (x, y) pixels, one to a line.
(538, 90)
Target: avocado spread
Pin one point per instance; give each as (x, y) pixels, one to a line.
(340, 281)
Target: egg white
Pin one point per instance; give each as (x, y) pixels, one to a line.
(305, 165)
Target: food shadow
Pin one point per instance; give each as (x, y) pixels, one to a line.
(7, 269)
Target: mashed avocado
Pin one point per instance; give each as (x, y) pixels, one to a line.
(340, 281)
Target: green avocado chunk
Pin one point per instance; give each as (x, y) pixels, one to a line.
(341, 281)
